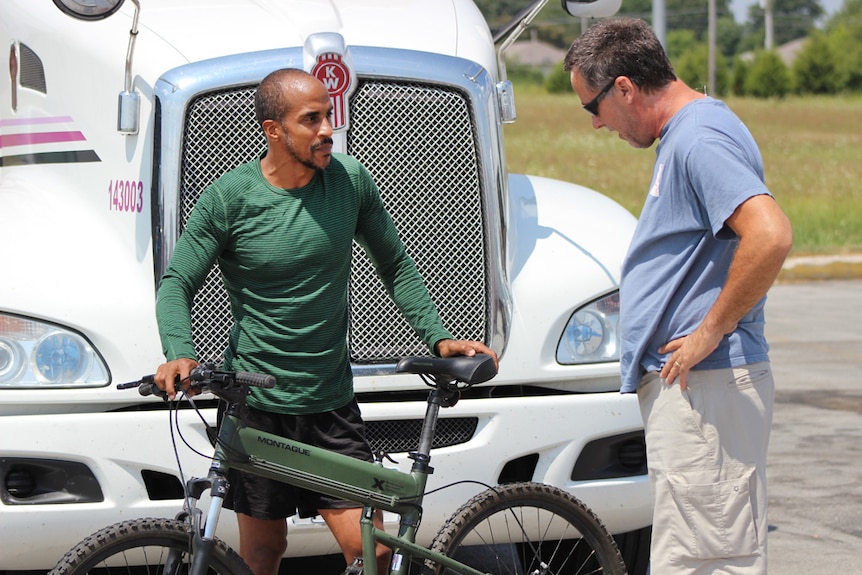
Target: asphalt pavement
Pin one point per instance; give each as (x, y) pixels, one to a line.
(815, 456)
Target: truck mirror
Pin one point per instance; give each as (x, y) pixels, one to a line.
(90, 10)
(592, 8)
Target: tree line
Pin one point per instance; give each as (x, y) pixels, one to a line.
(829, 60)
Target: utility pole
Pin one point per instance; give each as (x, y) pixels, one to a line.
(710, 68)
(659, 20)
(767, 21)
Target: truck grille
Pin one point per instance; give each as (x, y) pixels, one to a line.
(418, 142)
(400, 435)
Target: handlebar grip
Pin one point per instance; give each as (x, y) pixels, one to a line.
(255, 379)
(146, 386)
(146, 389)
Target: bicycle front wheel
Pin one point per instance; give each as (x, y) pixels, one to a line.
(527, 529)
(144, 546)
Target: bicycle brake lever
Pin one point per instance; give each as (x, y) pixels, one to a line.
(380, 455)
(131, 384)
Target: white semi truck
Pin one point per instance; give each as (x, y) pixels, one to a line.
(114, 116)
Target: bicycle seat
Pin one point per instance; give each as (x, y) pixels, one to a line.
(469, 370)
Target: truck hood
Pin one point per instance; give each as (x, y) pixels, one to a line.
(212, 28)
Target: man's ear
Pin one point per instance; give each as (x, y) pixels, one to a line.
(270, 129)
(626, 87)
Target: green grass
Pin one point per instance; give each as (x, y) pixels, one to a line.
(811, 146)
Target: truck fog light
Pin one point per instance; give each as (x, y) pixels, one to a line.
(632, 454)
(20, 483)
(621, 455)
(28, 481)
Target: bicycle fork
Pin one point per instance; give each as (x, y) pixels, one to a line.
(203, 536)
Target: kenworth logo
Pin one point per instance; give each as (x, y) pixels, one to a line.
(332, 70)
(282, 445)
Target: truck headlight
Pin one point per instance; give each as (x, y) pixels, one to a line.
(592, 334)
(38, 354)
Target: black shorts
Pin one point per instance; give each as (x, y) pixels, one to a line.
(341, 430)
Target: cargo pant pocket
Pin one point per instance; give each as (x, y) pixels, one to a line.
(713, 520)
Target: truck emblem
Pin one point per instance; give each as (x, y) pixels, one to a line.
(335, 75)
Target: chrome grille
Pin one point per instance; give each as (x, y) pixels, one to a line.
(419, 144)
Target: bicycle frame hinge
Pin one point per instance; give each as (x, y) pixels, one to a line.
(420, 462)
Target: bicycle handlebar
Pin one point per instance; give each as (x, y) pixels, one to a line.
(229, 385)
(233, 386)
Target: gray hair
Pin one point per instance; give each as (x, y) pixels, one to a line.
(620, 47)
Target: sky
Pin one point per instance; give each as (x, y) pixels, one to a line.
(740, 8)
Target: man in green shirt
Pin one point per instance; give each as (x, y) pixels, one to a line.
(281, 229)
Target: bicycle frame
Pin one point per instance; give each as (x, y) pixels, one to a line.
(305, 466)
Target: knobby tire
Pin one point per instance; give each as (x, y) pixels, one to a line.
(527, 529)
(143, 547)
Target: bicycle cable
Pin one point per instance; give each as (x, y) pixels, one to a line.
(190, 447)
(197, 410)
(174, 424)
(176, 431)
(453, 484)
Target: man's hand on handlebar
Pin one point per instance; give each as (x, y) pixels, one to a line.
(176, 370)
(450, 347)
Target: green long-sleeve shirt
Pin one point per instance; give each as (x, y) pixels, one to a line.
(285, 259)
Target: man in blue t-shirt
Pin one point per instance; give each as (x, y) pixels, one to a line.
(709, 243)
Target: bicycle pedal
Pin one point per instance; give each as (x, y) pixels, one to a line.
(354, 568)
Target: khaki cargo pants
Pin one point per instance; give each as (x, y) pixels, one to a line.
(706, 453)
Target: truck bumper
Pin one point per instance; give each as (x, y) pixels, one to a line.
(74, 474)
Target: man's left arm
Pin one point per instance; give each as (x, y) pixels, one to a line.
(765, 238)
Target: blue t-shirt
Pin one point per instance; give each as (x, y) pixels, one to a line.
(707, 165)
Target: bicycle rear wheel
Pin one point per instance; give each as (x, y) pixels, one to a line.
(144, 546)
(527, 529)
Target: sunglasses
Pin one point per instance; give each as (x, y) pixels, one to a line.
(593, 105)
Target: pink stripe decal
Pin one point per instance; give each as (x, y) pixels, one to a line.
(34, 121)
(40, 138)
